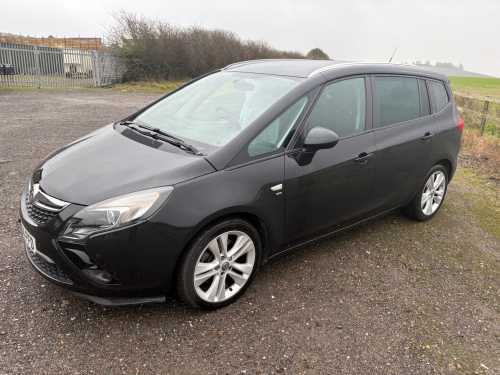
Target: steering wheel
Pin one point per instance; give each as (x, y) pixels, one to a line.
(233, 119)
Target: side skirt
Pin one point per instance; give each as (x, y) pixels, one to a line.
(333, 233)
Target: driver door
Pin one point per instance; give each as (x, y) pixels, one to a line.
(332, 192)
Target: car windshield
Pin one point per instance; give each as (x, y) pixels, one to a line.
(212, 111)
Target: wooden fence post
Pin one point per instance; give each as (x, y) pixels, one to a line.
(483, 118)
(473, 101)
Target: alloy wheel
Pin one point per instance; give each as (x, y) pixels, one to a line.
(433, 193)
(224, 266)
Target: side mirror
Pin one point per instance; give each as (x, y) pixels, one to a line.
(317, 138)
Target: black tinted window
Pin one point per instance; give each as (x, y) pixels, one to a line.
(341, 108)
(398, 99)
(439, 95)
(424, 98)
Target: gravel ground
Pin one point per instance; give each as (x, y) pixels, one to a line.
(393, 296)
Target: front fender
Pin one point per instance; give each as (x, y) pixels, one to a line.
(247, 190)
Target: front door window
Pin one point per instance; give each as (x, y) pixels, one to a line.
(341, 108)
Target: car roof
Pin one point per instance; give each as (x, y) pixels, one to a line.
(284, 67)
(304, 68)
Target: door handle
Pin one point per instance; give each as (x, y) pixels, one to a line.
(363, 158)
(277, 188)
(427, 137)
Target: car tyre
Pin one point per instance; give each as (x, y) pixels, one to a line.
(430, 196)
(219, 264)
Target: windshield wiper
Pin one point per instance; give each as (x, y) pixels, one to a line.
(178, 142)
(163, 136)
(156, 130)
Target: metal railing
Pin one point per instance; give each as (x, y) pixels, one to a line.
(24, 65)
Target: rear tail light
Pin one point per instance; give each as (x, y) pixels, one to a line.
(460, 124)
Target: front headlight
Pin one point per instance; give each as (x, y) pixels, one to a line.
(114, 213)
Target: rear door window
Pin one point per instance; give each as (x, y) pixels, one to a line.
(424, 98)
(398, 99)
(439, 95)
(341, 108)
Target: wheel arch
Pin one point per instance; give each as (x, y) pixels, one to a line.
(447, 164)
(252, 217)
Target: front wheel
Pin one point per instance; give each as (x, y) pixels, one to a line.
(219, 264)
(430, 196)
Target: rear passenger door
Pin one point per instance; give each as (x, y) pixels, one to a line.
(405, 137)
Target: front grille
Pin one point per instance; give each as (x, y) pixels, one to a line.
(48, 269)
(38, 215)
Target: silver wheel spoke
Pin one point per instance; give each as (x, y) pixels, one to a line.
(222, 241)
(214, 249)
(240, 242)
(429, 184)
(245, 249)
(198, 280)
(221, 289)
(437, 199)
(439, 180)
(212, 291)
(205, 267)
(238, 279)
(243, 267)
(425, 197)
(428, 207)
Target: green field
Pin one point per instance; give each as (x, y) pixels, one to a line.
(484, 87)
(480, 87)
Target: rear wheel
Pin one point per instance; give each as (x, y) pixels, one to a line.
(219, 264)
(430, 196)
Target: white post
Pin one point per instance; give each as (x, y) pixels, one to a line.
(97, 76)
(37, 66)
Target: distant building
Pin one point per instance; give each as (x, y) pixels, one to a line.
(86, 44)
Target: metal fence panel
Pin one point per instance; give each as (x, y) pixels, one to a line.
(111, 69)
(54, 67)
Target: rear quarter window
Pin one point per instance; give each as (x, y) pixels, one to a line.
(398, 99)
(439, 95)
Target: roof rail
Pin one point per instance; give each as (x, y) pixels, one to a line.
(247, 62)
(333, 66)
(241, 63)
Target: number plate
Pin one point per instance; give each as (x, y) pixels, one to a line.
(29, 240)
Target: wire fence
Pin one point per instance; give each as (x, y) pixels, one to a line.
(487, 110)
(36, 66)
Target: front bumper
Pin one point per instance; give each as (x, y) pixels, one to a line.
(141, 259)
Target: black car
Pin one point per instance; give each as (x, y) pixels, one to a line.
(200, 188)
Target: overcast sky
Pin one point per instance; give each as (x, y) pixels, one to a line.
(459, 31)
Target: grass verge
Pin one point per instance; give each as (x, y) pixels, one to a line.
(147, 86)
(486, 148)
